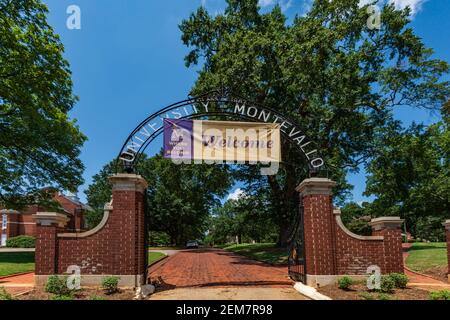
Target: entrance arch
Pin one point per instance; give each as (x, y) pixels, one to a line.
(321, 248)
(218, 103)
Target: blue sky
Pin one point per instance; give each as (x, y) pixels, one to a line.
(127, 62)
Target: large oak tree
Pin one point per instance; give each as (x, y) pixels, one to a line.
(39, 143)
(340, 80)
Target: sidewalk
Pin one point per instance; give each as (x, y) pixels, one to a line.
(8, 250)
(419, 280)
(18, 284)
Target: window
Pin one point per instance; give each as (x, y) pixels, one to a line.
(4, 221)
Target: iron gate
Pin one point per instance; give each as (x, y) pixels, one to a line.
(296, 245)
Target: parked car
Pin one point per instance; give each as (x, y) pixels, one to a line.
(192, 244)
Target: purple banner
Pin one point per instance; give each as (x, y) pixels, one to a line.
(178, 139)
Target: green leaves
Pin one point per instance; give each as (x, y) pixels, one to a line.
(339, 80)
(409, 175)
(39, 144)
(180, 197)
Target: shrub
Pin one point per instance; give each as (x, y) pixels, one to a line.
(20, 242)
(344, 283)
(387, 284)
(57, 285)
(5, 295)
(366, 295)
(384, 296)
(440, 295)
(400, 280)
(110, 284)
(62, 297)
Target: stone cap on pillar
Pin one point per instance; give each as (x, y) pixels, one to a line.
(386, 223)
(51, 218)
(446, 224)
(316, 186)
(9, 211)
(128, 182)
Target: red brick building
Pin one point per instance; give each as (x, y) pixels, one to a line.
(15, 223)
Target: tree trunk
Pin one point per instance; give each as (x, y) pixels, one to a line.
(283, 235)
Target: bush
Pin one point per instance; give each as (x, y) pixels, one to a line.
(62, 297)
(5, 295)
(384, 296)
(20, 242)
(366, 295)
(57, 285)
(429, 229)
(110, 284)
(400, 280)
(387, 284)
(344, 283)
(440, 295)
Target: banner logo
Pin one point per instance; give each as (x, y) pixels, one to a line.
(222, 142)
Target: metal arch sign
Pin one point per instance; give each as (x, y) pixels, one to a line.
(215, 104)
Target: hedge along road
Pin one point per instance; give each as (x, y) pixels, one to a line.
(218, 274)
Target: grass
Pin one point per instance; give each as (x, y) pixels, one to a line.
(266, 252)
(16, 262)
(154, 257)
(19, 262)
(424, 256)
(166, 248)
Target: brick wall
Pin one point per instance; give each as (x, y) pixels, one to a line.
(46, 250)
(331, 249)
(115, 247)
(319, 241)
(355, 255)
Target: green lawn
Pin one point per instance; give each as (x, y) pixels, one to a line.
(155, 257)
(16, 262)
(166, 248)
(266, 252)
(423, 256)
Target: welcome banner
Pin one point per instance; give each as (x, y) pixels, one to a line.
(222, 141)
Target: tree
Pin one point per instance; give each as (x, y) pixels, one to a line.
(410, 176)
(335, 77)
(39, 144)
(356, 218)
(246, 218)
(180, 197)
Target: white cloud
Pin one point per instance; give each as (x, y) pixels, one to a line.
(415, 5)
(362, 3)
(266, 3)
(236, 194)
(284, 4)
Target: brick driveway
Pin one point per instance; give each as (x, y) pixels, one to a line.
(217, 268)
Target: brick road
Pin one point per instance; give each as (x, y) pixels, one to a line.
(17, 284)
(217, 268)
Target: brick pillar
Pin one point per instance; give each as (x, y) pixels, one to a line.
(48, 224)
(13, 225)
(127, 224)
(319, 226)
(390, 229)
(447, 232)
